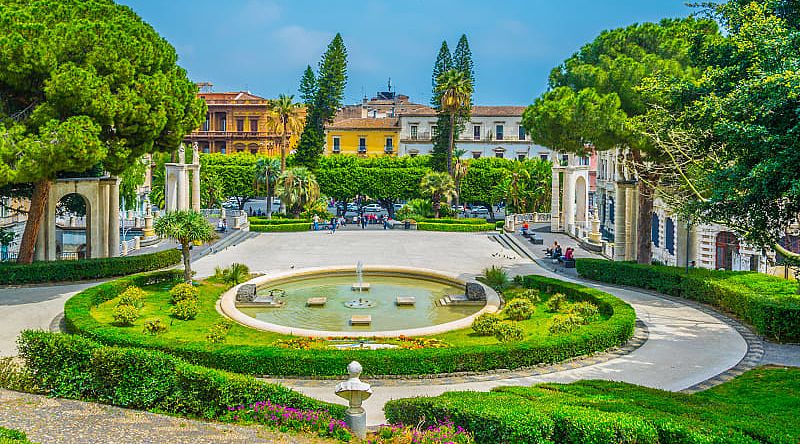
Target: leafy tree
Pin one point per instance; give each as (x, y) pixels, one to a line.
(438, 186)
(444, 63)
(84, 82)
(456, 90)
(297, 186)
(268, 170)
(212, 191)
(186, 227)
(130, 181)
(285, 119)
(308, 86)
(597, 97)
(328, 95)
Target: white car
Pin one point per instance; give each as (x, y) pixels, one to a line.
(398, 206)
(479, 210)
(373, 208)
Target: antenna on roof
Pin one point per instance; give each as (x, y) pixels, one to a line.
(205, 86)
(390, 84)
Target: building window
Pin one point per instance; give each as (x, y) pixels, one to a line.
(521, 132)
(205, 124)
(498, 154)
(611, 209)
(754, 260)
(389, 147)
(434, 130)
(337, 145)
(521, 157)
(654, 230)
(223, 148)
(584, 161)
(222, 122)
(414, 131)
(206, 149)
(727, 245)
(476, 154)
(362, 144)
(544, 157)
(240, 125)
(669, 236)
(498, 132)
(254, 125)
(476, 132)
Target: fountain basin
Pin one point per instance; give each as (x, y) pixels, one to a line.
(388, 319)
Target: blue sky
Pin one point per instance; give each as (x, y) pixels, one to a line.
(264, 45)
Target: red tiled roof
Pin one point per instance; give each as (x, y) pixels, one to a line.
(240, 95)
(366, 123)
(477, 111)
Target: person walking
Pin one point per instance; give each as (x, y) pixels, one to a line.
(333, 225)
(316, 222)
(363, 222)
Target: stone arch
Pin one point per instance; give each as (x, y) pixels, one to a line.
(68, 228)
(581, 197)
(253, 148)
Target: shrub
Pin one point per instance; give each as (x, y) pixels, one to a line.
(217, 333)
(183, 291)
(154, 326)
(435, 226)
(75, 367)
(15, 376)
(485, 324)
(235, 274)
(496, 277)
(10, 436)
(519, 310)
(565, 323)
(133, 296)
(556, 302)
(281, 228)
(58, 271)
(500, 224)
(125, 315)
(533, 295)
(186, 309)
(767, 303)
(508, 332)
(585, 310)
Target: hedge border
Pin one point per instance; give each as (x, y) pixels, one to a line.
(776, 317)
(466, 221)
(83, 269)
(261, 220)
(259, 360)
(280, 228)
(429, 226)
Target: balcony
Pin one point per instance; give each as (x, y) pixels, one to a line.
(423, 136)
(388, 149)
(231, 135)
(362, 149)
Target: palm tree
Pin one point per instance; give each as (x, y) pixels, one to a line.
(285, 119)
(460, 168)
(517, 188)
(267, 172)
(456, 90)
(439, 186)
(186, 227)
(296, 187)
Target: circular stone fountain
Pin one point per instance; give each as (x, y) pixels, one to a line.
(321, 302)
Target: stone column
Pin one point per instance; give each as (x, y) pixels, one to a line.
(103, 209)
(569, 201)
(181, 185)
(113, 217)
(196, 188)
(555, 203)
(619, 222)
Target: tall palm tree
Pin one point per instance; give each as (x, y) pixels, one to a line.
(296, 187)
(285, 119)
(456, 90)
(268, 170)
(460, 168)
(186, 227)
(439, 186)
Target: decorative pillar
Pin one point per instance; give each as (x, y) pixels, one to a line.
(182, 195)
(104, 217)
(113, 217)
(569, 201)
(195, 178)
(619, 222)
(555, 202)
(355, 392)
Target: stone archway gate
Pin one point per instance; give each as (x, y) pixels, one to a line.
(102, 216)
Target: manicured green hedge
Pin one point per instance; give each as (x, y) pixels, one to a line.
(280, 228)
(9, 436)
(261, 220)
(467, 221)
(75, 367)
(760, 406)
(259, 360)
(58, 271)
(768, 303)
(428, 226)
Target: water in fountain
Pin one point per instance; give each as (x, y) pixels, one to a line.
(360, 275)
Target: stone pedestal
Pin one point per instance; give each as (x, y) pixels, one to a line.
(595, 237)
(355, 392)
(148, 226)
(137, 243)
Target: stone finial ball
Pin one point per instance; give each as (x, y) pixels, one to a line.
(354, 369)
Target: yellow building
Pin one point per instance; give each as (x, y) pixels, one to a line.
(238, 122)
(363, 136)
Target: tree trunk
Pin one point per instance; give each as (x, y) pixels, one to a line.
(41, 190)
(644, 225)
(269, 203)
(187, 263)
(437, 203)
(284, 148)
(450, 145)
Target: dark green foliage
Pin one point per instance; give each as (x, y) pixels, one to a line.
(59, 271)
(186, 309)
(280, 228)
(485, 324)
(432, 226)
(308, 86)
(759, 406)
(75, 367)
(496, 277)
(10, 436)
(614, 330)
(444, 63)
(768, 303)
(519, 309)
(508, 332)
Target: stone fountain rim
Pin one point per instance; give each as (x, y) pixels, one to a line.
(227, 302)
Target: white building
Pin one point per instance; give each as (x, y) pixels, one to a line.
(493, 131)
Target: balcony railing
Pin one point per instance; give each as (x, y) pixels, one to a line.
(388, 149)
(236, 102)
(362, 149)
(232, 135)
(425, 135)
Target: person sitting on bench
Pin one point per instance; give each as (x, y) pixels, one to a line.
(524, 230)
(568, 255)
(551, 252)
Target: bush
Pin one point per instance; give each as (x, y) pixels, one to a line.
(133, 296)
(565, 323)
(496, 277)
(585, 310)
(235, 274)
(10, 436)
(125, 315)
(281, 228)
(500, 224)
(435, 226)
(533, 295)
(262, 220)
(485, 324)
(154, 327)
(767, 303)
(556, 302)
(186, 309)
(78, 368)
(217, 333)
(183, 291)
(59, 271)
(508, 332)
(465, 221)
(519, 310)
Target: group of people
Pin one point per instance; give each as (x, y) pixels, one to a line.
(557, 254)
(222, 225)
(361, 221)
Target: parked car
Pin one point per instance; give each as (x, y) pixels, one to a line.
(352, 207)
(398, 206)
(479, 211)
(373, 208)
